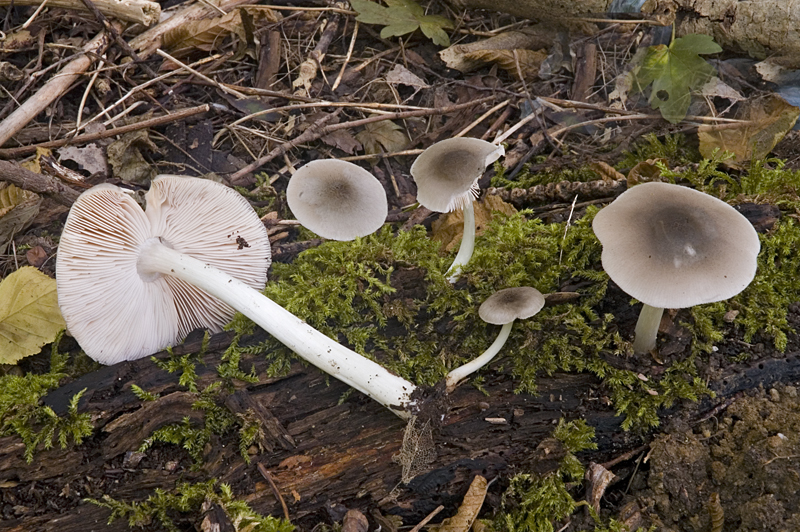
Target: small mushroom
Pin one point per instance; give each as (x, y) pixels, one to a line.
(132, 282)
(674, 247)
(337, 199)
(501, 308)
(447, 175)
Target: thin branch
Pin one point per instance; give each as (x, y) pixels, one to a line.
(315, 131)
(10, 153)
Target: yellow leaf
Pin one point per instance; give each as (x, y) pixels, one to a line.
(29, 315)
(18, 208)
(470, 506)
(765, 122)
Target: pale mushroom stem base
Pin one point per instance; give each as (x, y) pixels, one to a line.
(462, 372)
(467, 245)
(647, 329)
(328, 355)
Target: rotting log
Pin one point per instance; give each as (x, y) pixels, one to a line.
(327, 455)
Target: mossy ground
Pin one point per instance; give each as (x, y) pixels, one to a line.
(386, 296)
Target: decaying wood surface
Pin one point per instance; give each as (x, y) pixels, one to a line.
(322, 455)
(761, 28)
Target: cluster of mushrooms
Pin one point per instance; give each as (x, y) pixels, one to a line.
(132, 282)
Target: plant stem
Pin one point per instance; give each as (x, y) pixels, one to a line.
(467, 245)
(460, 373)
(328, 355)
(647, 329)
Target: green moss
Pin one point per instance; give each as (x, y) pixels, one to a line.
(22, 414)
(535, 503)
(673, 149)
(187, 498)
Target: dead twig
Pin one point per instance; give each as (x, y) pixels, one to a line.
(316, 131)
(141, 11)
(39, 183)
(10, 153)
(54, 88)
(268, 477)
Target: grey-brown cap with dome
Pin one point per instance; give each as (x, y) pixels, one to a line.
(337, 199)
(509, 304)
(447, 173)
(501, 308)
(670, 246)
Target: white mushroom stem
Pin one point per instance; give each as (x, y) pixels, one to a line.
(328, 355)
(647, 329)
(467, 245)
(462, 372)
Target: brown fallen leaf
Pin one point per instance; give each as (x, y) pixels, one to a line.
(765, 122)
(606, 171)
(449, 228)
(470, 506)
(518, 62)
(645, 171)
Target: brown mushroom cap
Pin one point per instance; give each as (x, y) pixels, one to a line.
(98, 252)
(509, 304)
(447, 173)
(337, 199)
(673, 247)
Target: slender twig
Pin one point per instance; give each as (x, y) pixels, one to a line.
(10, 153)
(266, 475)
(427, 519)
(316, 131)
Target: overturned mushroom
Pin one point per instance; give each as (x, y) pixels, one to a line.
(131, 282)
(674, 247)
(337, 199)
(501, 308)
(447, 175)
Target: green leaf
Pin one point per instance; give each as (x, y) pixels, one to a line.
(29, 315)
(402, 17)
(674, 71)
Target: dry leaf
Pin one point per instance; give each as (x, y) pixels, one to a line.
(126, 160)
(382, 136)
(470, 506)
(459, 56)
(29, 315)
(342, 139)
(645, 171)
(449, 228)
(515, 62)
(400, 75)
(18, 208)
(91, 157)
(766, 121)
(207, 35)
(606, 171)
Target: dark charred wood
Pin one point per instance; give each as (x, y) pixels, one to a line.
(325, 450)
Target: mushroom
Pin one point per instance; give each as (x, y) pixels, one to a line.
(501, 308)
(132, 282)
(337, 199)
(447, 175)
(674, 247)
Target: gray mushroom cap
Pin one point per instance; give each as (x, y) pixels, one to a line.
(509, 304)
(117, 314)
(447, 173)
(337, 199)
(673, 247)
